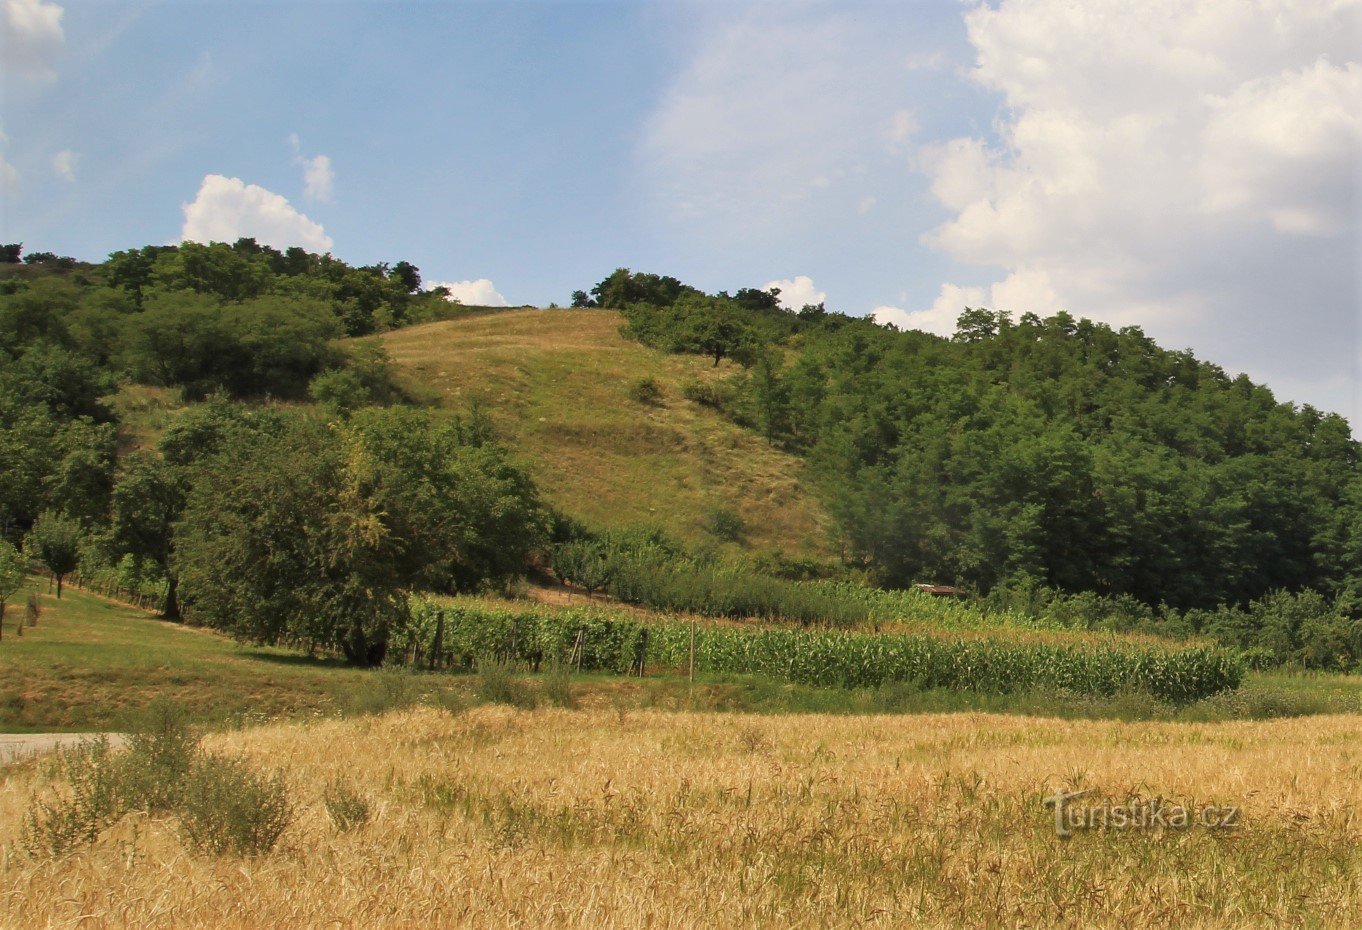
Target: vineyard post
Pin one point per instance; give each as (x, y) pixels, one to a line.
(692, 649)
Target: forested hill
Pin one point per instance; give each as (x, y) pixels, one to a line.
(1056, 451)
(1022, 452)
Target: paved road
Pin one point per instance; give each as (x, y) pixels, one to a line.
(17, 745)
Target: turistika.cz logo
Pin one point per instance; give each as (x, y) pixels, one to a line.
(1136, 814)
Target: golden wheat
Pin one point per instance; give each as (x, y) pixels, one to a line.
(626, 818)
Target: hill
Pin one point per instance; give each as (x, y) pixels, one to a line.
(559, 386)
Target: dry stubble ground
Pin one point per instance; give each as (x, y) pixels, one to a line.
(499, 817)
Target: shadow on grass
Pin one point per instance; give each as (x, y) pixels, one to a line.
(295, 660)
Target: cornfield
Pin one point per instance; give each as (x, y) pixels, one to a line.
(459, 634)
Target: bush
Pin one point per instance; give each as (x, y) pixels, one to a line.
(158, 761)
(711, 394)
(77, 814)
(723, 523)
(229, 807)
(558, 685)
(645, 391)
(347, 808)
(498, 685)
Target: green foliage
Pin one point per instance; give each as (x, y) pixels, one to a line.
(557, 685)
(312, 533)
(160, 757)
(147, 499)
(266, 345)
(75, 814)
(498, 684)
(1054, 450)
(227, 806)
(645, 391)
(725, 524)
(54, 540)
(651, 570)
(623, 288)
(827, 658)
(13, 567)
(366, 380)
(222, 803)
(348, 808)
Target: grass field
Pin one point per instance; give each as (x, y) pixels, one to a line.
(91, 664)
(612, 818)
(557, 385)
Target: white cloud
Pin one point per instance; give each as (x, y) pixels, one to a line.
(318, 178)
(797, 293)
(478, 293)
(1189, 167)
(32, 38)
(227, 209)
(1024, 291)
(902, 126)
(64, 164)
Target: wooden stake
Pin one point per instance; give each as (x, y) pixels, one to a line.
(692, 650)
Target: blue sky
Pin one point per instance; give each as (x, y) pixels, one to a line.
(1190, 168)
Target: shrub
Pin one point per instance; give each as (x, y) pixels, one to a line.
(76, 814)
(558, 685)
(498, 685)
(723, 523)
(229, 807)
(645, 391)
(708, 394)
(158, 761)
(347, 808)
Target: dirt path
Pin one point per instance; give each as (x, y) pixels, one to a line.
(14, 746)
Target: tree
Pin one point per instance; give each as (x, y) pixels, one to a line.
(408, 275)
(147, 499)
(10, 253)
(12, 570)
(54, 540)
(316, 534)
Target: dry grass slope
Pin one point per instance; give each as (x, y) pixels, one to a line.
(605, 818)
(557, 383)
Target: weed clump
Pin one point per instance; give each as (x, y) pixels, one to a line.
(557, 686)
(497, 684)
(347, 808)
(230, 807)
(223, 804)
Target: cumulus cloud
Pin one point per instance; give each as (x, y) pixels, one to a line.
(478, 293)
(318, 178)
(64, 164)
(32, 38)
(227, 209)
(1190, 167)
(797, 293)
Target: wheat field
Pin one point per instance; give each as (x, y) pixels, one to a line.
(615, 817)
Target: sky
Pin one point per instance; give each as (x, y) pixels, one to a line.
(1188, 166)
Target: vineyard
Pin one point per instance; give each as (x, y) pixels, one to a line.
(460, 634)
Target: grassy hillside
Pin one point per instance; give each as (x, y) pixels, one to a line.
(557, 383)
